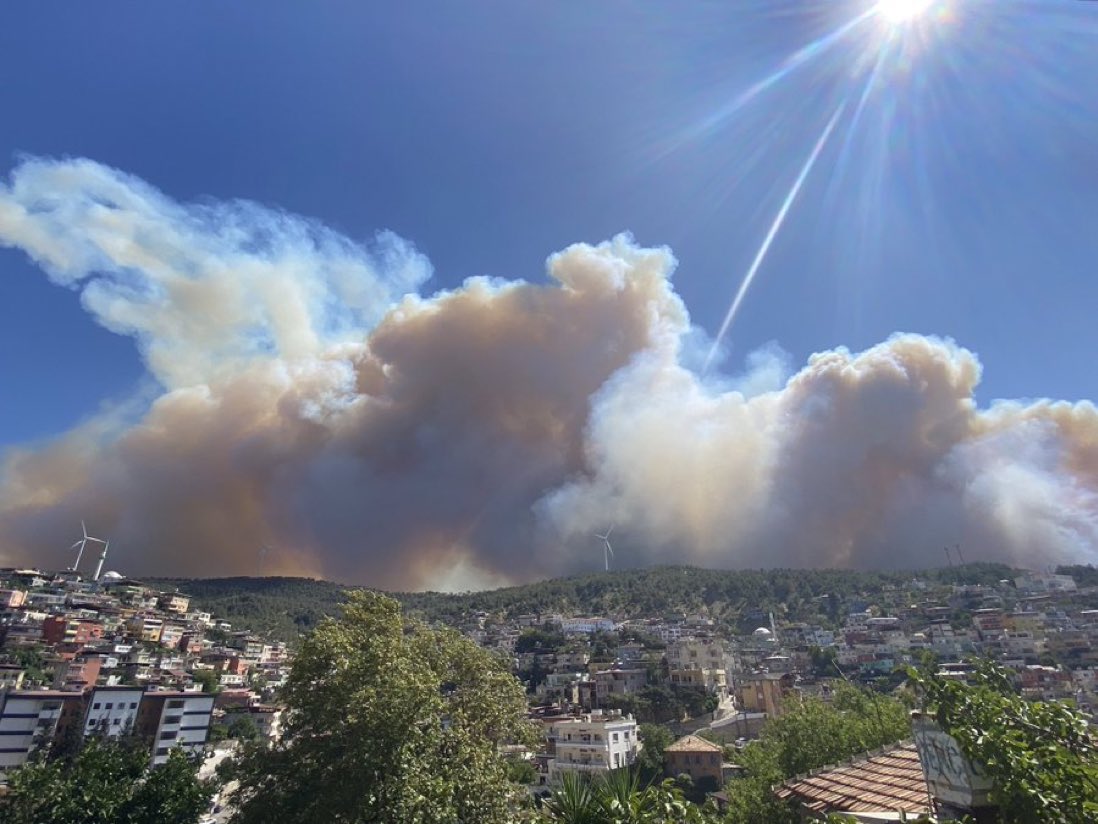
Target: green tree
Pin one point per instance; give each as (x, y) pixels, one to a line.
(106, 782)
(809, 734)
(617, 797)
(1040, 755)
(388, 721)
(242, 727)
(649, 763)
(208, 679)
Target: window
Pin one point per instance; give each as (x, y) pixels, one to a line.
(109, 706)
(116, 721)
(95, 706)
(615, 738)
(172, 719)
(174, 705)
(133, 705)
(162, 750)
(167, 736)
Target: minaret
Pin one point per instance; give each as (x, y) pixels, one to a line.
(102, 558)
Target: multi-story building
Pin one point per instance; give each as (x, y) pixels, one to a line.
(593, 743)
(618, 682)
(700, 759)
(764, 691)
(174, 602)
(146, 627)
(32, 719)
(12, 598)
(112, 711)
(81, 673)
(585, 625)
(710, 680)
(62, 629)
(11, 676)
(697, 653)
(170, 635)
(175, 719)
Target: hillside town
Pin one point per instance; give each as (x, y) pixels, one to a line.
(108, 655)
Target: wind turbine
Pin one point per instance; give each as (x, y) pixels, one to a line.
(82, 543)
(607, 550)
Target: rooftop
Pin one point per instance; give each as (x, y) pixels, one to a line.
(693, 743)
(890, 780)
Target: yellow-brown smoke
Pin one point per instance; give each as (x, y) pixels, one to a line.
(318, 417)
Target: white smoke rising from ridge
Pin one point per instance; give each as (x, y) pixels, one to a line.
(316, 406)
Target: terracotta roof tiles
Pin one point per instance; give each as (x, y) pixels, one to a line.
(892, 780)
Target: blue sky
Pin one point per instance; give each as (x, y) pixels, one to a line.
(494, 133)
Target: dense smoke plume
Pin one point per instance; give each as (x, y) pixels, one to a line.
(319, 417)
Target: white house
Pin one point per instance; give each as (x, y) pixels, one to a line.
(593, 743)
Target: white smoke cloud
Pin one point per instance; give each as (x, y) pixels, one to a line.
(316, 407)
(206, 286)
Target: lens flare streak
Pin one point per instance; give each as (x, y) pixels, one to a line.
(772, 232)
(805, 54)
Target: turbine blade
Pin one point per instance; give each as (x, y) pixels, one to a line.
(611, 529)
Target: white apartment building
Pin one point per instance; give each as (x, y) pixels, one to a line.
(112, 711)
(593, 743)
(587, 625)
(29, 720)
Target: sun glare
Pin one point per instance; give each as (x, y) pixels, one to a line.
(901, 11)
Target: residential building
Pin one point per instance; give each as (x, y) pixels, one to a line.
(62, 629)
(584, 625)
(112, 711)
(174, 602)
(618, 682)
(764, 691)
(700, 759)
(593, 743)
(175, 719)
(11, 676)
(12, 598)
(31, 719)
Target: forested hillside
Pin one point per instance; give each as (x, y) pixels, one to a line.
(285, 607)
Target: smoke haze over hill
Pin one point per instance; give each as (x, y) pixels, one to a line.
(315, 410)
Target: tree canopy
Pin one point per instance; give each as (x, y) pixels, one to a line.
(1040, 755)
(106, 782)
(388, 720)
(809, 734)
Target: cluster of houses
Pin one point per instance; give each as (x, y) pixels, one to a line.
(117, 657)
(1041, 625)
(114, 656)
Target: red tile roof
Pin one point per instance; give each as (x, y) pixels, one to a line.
(892, 780)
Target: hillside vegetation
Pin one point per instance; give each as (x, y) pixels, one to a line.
(285, 607)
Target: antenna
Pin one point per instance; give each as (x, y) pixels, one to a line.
(949, 559)
(82, 543)
(607, 550)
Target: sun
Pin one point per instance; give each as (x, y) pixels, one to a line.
(897, 12)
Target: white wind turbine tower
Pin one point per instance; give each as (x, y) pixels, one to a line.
(607, 550)
(82, 543)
